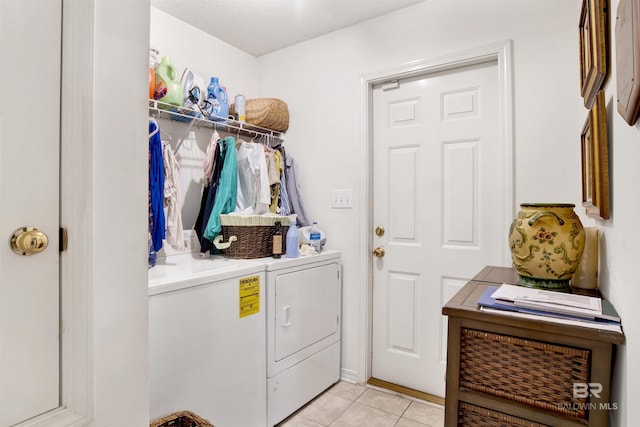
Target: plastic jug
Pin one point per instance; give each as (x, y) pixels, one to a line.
(153, 61)
(315, 238)
(166, 72)
(292, 240)
(218, 107)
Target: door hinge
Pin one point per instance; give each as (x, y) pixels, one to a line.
(63, 239)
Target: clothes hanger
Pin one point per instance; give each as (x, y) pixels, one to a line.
(162, 132)
(157, 129)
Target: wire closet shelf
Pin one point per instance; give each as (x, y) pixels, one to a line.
(163, 110)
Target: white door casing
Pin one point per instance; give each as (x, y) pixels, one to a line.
(450, 187)
(29, 194)
(103, 273)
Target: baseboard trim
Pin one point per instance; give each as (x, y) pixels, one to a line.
(349, 376)
(405, 390)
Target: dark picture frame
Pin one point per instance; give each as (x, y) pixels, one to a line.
(595, 161)
(594, 52)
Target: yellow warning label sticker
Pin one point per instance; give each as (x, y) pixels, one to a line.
(249, 296)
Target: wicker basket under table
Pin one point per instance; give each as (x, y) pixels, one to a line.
(181, 419)
(475, 416)
(531, 372)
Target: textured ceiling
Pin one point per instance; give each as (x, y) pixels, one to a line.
(262, 26)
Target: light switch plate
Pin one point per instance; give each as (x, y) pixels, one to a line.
(342, 199)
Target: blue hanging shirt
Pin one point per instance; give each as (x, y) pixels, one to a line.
(156, 188)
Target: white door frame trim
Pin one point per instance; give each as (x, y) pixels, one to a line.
(500, 52)
(76, 337)
(103, 343)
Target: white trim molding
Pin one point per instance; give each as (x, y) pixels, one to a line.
(500, 52)
(76, 391)
(103, 190)
(76, 182)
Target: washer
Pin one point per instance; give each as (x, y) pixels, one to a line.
(304, 298)
(206, 346)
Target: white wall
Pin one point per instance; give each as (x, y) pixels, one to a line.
(112, 218)
(321, 81)
(618, 278)
(206, 56)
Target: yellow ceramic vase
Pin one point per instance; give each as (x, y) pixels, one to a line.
(547, 241)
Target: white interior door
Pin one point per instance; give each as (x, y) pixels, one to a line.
(436, 193)
(30, 42)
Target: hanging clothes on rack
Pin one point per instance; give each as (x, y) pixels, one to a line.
(274, 163)
(293, 190)
(208, 198)
(172, 198)
(226, 194)
(254, 195)
(212, 167)
(210, 158)
(156, 186)
(285, 204)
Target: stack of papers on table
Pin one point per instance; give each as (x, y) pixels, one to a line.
(579, 310)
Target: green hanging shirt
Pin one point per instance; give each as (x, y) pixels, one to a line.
(225, 201)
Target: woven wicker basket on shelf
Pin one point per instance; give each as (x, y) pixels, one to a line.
(181, 419)
(269, 113)
(254, 234)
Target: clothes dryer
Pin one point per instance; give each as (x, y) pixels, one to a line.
(304, 299)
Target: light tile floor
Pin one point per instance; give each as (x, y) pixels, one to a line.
(352, 405)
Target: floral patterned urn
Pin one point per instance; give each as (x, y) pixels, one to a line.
(547, 241)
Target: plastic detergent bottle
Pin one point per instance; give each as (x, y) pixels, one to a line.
(292, 240)
(314, 238)
(152, 253)
(153, 61)
(166, 72)
(157, 89)
(218, 107)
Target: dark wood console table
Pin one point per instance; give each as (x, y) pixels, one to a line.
(510, 371)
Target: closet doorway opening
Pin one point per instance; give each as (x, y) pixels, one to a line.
(440, 189)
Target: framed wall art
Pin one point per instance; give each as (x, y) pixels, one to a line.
(594, 52)
(628, 59)
(595, 160)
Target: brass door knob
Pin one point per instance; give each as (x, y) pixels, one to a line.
(28, 241)
(378, 252)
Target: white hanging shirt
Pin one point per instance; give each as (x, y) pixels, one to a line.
(172, 198)
(210, 158)
(254, 195)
